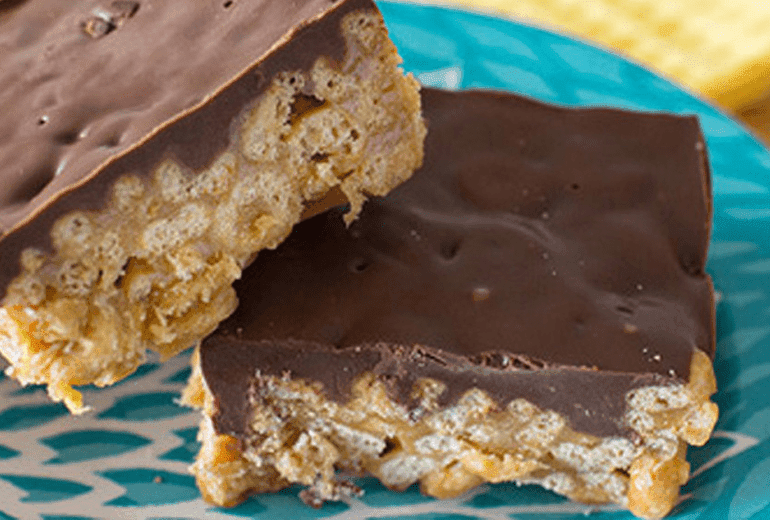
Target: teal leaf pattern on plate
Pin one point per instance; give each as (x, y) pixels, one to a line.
(30, 389)
(7, 453)
(144, 407)
(284, 502)
(79, 445)
(142, 425)
(150, 487)
(23, 417)
(429, 516)
(180, 377)
(43, 489)
(142, 371)
(377, 495)
(187, 451)
(752, 497)
(66, 517)
(511, 494)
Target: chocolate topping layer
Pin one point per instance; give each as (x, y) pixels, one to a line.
(93, 89)
(541, 252)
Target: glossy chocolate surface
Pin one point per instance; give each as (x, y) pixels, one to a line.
(93, 89)
(538, 248)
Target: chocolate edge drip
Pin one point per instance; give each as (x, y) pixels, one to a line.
(602, 393)
(180, 138)
(710, 346)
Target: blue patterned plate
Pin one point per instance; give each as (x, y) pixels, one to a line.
(128, 459)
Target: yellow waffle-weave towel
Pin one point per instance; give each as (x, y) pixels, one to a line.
(719, 48)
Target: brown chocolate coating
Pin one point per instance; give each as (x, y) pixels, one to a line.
(537, 248)
(93, 89)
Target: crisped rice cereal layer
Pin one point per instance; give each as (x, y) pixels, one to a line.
(139, 252)
(294, 434)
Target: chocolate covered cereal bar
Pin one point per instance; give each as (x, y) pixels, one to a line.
(149, 149)
(531, 306)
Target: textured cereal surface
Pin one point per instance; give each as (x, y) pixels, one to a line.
(297, 436)
(153, 269)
